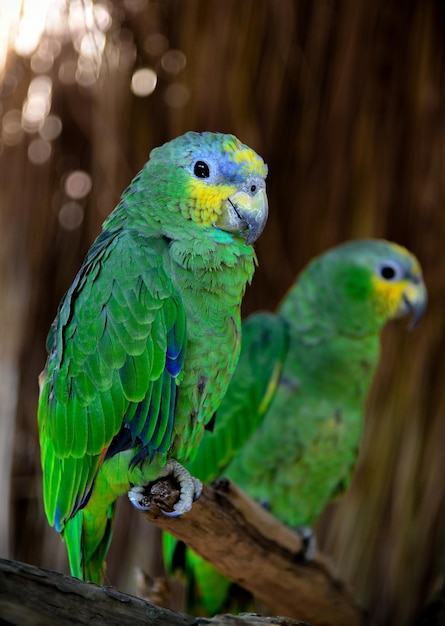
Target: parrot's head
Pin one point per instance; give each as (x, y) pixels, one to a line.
(398, 288)
(210, 180)
(382, 278)
(367, 282)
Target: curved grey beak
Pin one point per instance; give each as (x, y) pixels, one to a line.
(245, 214)
(415, 300)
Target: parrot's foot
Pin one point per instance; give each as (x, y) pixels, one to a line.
(309, 541)
(190, 489)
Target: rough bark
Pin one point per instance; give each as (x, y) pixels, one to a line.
(30, 596)
(255, 550)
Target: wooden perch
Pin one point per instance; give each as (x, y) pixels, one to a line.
(30, 596)
(258, 552)
(225, 526)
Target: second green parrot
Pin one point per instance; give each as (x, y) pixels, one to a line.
(288, 429)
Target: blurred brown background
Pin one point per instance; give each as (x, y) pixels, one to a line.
(345, 101)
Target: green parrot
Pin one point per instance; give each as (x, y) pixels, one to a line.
(288, 429)
(147, 337)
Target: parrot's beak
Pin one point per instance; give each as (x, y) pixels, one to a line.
(244, 213)
(414, 301)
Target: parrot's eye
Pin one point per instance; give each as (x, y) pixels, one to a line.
(389, 270)
(201, 169)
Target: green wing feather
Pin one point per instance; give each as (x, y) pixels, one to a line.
(109, 367)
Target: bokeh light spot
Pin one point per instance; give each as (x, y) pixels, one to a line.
(30, 26)
(173, 61)
(78, 184)
(102, 17)
(34, 112)
(51, 129)
(41, 62)
(38, 104)
(70, 215)
(12, 130)
(40, 85)
(143, 82)
(56, 22)
(92, 45)
(86, 72)
(39, 151)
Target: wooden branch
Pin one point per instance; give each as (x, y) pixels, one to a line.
(30, 596)
(258, 552)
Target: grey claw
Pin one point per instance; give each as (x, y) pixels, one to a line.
(198, 488)
(171, 513)
(138, 498)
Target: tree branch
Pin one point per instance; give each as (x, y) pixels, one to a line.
(225, 526)
(30, 596)
(258, 552)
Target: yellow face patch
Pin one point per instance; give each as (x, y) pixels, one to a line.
(388, 295)
(204, 202)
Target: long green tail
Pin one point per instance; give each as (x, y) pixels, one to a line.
(87, 541)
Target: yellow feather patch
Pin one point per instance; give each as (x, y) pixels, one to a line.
(415, 265)
(270, 390)
(388, 296)
(249, 160)
(204, 203)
